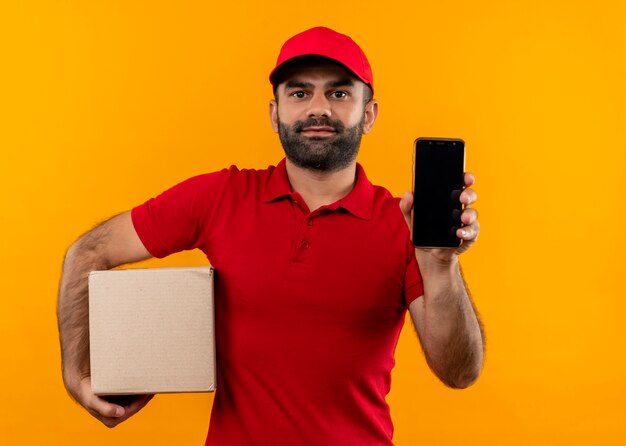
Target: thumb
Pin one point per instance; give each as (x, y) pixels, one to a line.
(104, 408)
(406, 205)
(94, 403)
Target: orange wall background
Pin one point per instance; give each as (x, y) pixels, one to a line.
(107, 103)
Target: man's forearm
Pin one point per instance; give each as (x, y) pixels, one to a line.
(73, 306)
(451, 332)
(110, 244)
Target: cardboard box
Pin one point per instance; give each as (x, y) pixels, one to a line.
(152, 330)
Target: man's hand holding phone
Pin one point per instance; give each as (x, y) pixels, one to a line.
(438, 212)
(467, 234)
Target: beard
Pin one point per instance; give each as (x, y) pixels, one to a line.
(320, 153)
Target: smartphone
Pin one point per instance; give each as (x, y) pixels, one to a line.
(438, 171)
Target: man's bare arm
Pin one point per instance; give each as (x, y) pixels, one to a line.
(449, 327)
(108, 245)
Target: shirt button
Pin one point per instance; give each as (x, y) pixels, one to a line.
(304, 244)
(309, 221)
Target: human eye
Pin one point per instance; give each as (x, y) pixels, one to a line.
(299, 94)
(339, 94)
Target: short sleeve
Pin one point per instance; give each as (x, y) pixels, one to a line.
(175, 220)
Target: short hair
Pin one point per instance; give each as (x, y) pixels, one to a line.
(368, 94)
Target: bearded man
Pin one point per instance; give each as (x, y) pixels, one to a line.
(315, 271)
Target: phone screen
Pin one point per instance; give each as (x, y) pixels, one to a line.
(437, 183)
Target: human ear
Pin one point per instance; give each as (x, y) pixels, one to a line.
(274, 115)
(370, 113)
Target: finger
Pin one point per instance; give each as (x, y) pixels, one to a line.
(468, 179)
(469, 216)
(406, 203)
(103, 408)
(468, 233)
(132, 404)
(468, 196)
(96, 404)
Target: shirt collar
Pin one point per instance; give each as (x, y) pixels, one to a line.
(277, 184)
(358, 202)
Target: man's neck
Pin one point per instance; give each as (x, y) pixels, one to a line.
(321, 188)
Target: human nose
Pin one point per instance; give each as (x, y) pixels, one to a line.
(319, 105)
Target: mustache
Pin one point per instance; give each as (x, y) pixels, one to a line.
(337, 126)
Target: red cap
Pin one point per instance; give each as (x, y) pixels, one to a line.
(327, 43)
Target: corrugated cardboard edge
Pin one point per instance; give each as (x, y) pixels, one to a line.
(212, 275)
(210, 388)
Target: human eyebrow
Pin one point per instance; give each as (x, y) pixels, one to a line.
(344, 82)
(297, 84)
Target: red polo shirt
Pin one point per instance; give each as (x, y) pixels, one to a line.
(309, 305)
